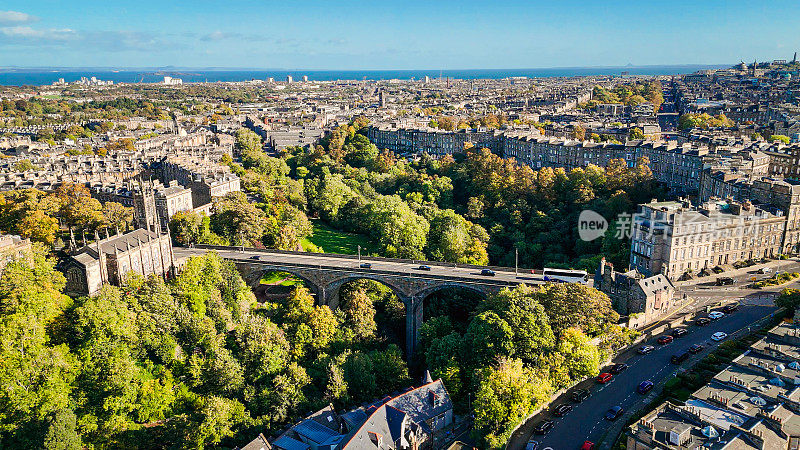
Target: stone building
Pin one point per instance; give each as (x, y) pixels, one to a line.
(405, 421)
(13, 248)
(674, 238)
(110, 260)
(155, 204)
(632, 293)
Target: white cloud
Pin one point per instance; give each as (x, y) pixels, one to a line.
(16, 17)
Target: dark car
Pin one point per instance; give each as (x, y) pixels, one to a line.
(579, 395)
(724, 281)
(365, 266)
(618, 368)
(679, 332)
(644, 387)
(664, 340)
(544, 427)
(679, 358)
(487, 272)
(424, 267)
(614, 413)
(702, 321)
(727, 309)
(562, 409)
(695, 349)
(254, 257)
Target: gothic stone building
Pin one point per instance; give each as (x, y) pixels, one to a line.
(110, 260)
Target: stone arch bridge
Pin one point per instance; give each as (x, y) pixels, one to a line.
(326, 273)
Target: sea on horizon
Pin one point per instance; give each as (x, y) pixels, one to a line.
(32, 77)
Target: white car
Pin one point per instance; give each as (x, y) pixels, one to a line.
(719, 335)
(714, 315)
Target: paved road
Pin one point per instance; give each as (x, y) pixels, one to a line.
(585, 421)
(379, 265)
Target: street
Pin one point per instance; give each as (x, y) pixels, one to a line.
(585, 421)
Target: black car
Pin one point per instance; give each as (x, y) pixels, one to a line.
(424, 267)
(614, 413)
(365, 266)
(702, 321)
(695, 349)
(727, 309)
(679, 332)
(579, 395)
(254, 257)
(544, 427)
(562, 409)
(679, 358)
(618, 368)
(487, 272)
(724, 281)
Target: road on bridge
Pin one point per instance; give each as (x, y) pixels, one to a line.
(404, 268)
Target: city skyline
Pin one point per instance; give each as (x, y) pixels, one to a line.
(412, 35)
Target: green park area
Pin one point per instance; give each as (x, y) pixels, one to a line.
(281, 279)
(331, 240)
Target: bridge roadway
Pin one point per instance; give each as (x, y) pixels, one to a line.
(326, 273)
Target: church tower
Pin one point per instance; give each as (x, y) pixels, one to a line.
(145, 214)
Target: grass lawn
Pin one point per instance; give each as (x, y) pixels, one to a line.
(281, 278)
(332, 240)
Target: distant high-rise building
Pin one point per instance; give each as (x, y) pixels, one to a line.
(270, 80)
(289, 78)
(305, 78)
(427, 79)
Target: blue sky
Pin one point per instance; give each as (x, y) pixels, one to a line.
(434, 34)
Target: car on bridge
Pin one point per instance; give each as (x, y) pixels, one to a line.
(365, 265)
(487, 272)
(424, 267)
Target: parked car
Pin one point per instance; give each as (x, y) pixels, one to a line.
(719, 335)
(614, 413)
(644, 387)
(715, 315)
(561, 410)
(604, 378)
(765, 270)
(532, 444)
(679, 358)
(695, 349)
(702, 321)
(724, 281)
(587, 445)
(679, 332)
(424, 267)
(645, 349)
(618, 368)
(579, 395)
(729, 308)
(666, 339)
(365, 266)
(544, 427)
(487, 272)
